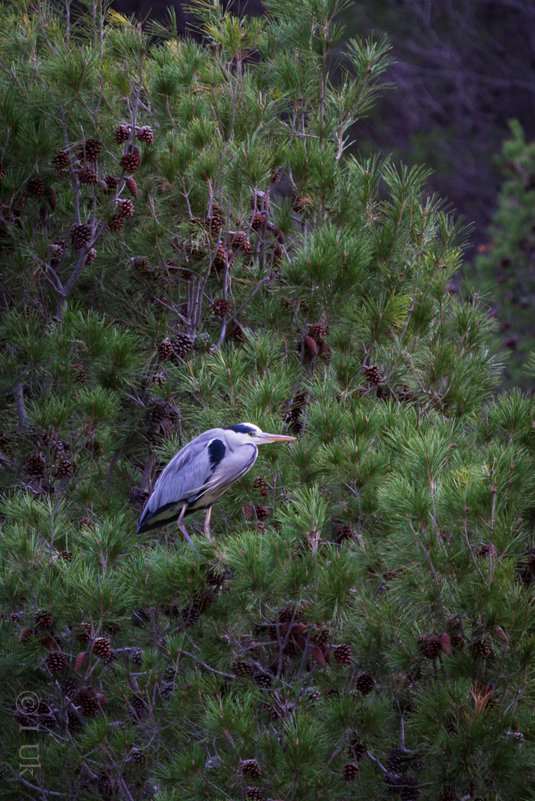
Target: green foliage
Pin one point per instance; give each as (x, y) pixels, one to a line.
(506, 264)
(369, 598)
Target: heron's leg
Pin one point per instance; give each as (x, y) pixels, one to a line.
(207, 523)
(183, 529)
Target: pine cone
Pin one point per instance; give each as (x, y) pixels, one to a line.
(251, 767)
(240, 241)
(365, 683)
(61, 160)
(116, 222)
(137, 755)
(487, 549)
(64, 468)
(142, 265)
(139, 706)
(258, 220)
(242, 668)
(80, 236)
(309, 349)
(317, 331)
(87, 175)
(88, 701)
(44, 619)
(36, 187)
(221, 307)
(214, 223)
(131, 161)
(36, 465)
(132, 186)
(125, 207)
(262, 512)
(136, 656)
(145, 134)
(430, 646)
(84, 633)
(221, 258)
(91, 149)
(278, 253)
(483, 648)
(183, 344)
(373, 376)
(262, 486)
(342, 654)
(111, 183)
(255, 793)
(122, 134)
(56, 661)
(343, 532)
(351, 771)
(264, 680)
(102, 647)
(325, 352)
(79, 373)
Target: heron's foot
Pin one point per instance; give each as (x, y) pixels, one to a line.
(183, 529)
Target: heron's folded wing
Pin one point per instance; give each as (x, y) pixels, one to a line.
(182, 479)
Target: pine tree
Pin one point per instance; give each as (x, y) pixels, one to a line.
(361, 630)
(505, 265)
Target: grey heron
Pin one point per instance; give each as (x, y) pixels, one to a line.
(201, 472)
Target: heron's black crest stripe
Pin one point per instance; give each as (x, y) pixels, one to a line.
(240, 428)
(216, 451)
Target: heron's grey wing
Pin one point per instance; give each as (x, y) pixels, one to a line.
(227, 470)
(181, 480)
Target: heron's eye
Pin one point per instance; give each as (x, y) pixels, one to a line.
(251, 433)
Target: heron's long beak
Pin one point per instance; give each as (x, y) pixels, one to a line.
(274, 438)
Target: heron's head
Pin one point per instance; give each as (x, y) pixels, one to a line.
(249, 432)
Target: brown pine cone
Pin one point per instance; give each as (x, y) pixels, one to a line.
(36, 187)
(342, 654)
(365, 683)
(36, 465)
(255, 793)
(125, 207)
(183, 344)
(317, 331)
(262, 486)
(102, 647)
(64, 468)
(240, 241)
(351, 771)
(258, 220)
(430, 646)
(251, 767)
(221, 307)
(214, 223)
(145, 134)
(221, 258)
(242, 668)
(91, 256)
(132, 186)
(88, 701)
(372, 374)
(80, 236)
(56, 661)
(122, 134)
(87, 175)
(91, 149)
(131, 161)
(116, 222)
(111, 183)
(61, 160)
